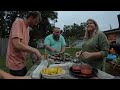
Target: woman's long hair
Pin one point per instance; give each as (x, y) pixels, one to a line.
(87, 35)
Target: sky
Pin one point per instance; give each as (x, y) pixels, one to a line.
(103, 18)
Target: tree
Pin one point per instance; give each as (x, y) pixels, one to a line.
(45, 27)
(9, 18)
(2, 24)
(42, 30)
(73, 32)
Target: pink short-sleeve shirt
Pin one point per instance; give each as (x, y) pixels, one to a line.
(16, 59)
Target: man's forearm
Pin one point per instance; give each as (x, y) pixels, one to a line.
(4, 75)
(48, 47)
(97, 55)
(63, 49)
(20, 46)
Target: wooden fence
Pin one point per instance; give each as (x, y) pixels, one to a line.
(3, 46)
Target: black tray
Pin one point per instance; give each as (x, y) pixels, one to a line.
(79, 75)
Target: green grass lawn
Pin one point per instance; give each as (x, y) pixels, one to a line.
(2, 64)
(29, 61)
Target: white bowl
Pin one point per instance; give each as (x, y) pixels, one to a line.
(57, 76)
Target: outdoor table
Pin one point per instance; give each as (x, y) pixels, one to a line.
(100, 74)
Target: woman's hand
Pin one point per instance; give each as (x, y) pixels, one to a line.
(78, 54)
(86, 55)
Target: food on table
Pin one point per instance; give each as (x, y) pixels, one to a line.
(61, 57)
(53, 70)
(83, 69)
(86, 69)
(76, 68)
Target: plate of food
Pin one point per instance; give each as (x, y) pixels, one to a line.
(83, 71)
(61, 57)
(53, 72)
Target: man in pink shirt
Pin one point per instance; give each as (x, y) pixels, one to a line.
(18, 44)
